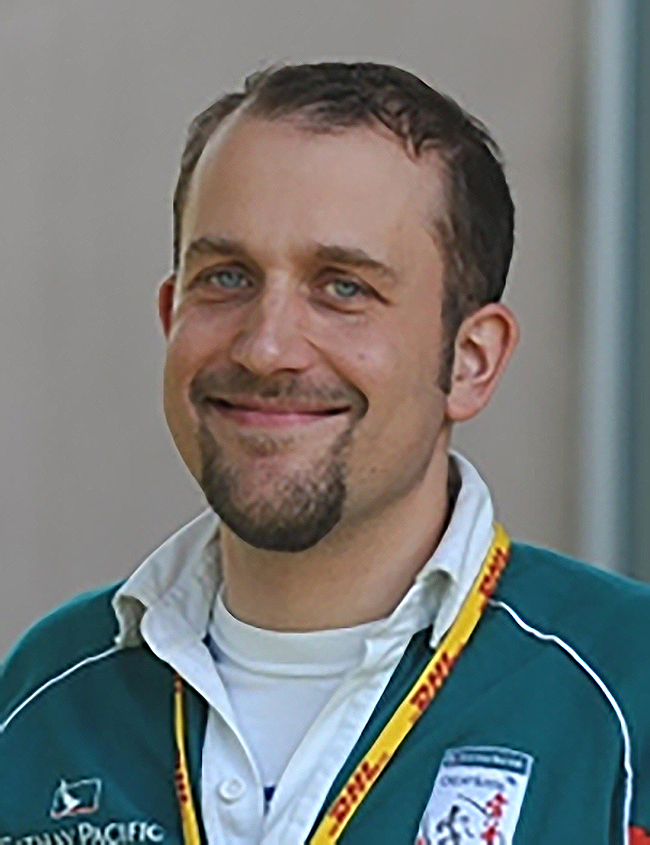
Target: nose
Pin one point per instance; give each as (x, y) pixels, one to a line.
(273, 334)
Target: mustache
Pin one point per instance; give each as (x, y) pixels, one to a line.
(283, 387)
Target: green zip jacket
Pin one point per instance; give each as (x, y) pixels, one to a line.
(540, 735)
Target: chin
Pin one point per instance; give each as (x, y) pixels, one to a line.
(279, 535)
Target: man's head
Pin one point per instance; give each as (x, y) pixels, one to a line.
(341, 240)
(477, 226)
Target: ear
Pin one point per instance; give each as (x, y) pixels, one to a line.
(484, 343)
(166, 303)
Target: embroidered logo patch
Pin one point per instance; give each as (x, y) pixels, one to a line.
(476, 798)
(74, 799)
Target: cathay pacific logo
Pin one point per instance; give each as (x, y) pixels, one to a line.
(76, 798)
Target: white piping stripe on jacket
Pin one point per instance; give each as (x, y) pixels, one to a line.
(627, 745)
(69, 671)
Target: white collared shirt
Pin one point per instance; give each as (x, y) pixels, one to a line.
(169, 601)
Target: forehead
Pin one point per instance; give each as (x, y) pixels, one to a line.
(335, 184)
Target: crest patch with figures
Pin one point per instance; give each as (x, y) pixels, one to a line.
(476, 798)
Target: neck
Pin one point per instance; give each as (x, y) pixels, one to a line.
(358, 573)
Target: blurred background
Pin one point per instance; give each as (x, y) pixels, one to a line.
(95, 97)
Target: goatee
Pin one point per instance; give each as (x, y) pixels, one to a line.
(302, 508)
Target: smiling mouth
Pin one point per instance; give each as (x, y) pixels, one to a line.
(261, 415)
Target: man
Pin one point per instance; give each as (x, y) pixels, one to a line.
(352, 651)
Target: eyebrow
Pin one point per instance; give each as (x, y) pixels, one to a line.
(354, 257)
(212, 245)
(334, 253)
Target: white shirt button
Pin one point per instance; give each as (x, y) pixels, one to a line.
(231, 789)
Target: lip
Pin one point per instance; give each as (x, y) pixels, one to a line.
(253, 414)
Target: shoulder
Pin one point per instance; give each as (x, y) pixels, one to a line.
(602, 617)
(555, 589)
(79, 630)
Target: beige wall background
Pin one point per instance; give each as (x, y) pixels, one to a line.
(95, 98)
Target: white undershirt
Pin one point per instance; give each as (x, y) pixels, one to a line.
(279, 682)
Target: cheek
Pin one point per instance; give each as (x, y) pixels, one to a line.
(371, 363)
(191, 332)
(191, 346)
(391, 371)
(195, 340)
(187, 351)
(405, 405)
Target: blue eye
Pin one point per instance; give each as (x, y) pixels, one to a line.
(345, 288)
(230, 279)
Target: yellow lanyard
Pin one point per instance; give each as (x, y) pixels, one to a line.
(189, 823)
(416, 701)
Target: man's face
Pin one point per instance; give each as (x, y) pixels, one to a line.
(304, 335)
